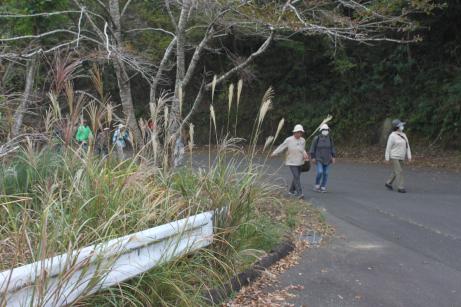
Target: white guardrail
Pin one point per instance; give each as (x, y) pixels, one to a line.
(62, 279)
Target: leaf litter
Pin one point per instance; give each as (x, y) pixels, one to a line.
(266, 291)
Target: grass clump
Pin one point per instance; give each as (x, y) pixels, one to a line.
(54, 201)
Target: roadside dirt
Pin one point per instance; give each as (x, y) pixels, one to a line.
(266, 291)
(422, 157)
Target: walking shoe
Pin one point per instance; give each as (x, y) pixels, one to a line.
(389, 186)
(317, 188)
(300, 196)
(291, 194)
(402, 191)
(323, 189)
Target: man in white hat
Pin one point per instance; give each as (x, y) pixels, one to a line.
(294, 159)
(323, 153)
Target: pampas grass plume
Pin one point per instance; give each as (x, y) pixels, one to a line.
(191, 135)
(213, 116)
(213, 86)
(166, 116)
(239, 90)
(265, 107)
(231, 95)
(110, 112)
(279, 128)
(268, 141)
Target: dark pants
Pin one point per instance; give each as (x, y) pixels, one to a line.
(102, 151)
(84, 145)
(295, 187)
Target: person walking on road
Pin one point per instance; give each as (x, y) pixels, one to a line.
(83, 134)
(102, 142)
(323, 153)
(397, 150)
(119, 139)
(294, 159)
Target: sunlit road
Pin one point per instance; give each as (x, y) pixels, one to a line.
(391, 249)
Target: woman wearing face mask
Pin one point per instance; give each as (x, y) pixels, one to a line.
(294, 159)
(323, 153)
(397, 149)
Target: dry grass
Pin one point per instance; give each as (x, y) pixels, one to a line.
(54, 202)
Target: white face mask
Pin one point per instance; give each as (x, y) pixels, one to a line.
(325, 132)
(401, 128)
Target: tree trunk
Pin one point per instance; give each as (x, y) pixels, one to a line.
(180, 43)
(124, 87)
(24, 104)
(123, 79)
(4, 74)
(180, 66)
(175, 113)
(161, 68)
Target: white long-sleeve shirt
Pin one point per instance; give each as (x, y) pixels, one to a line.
(295, 151)
(398, 147)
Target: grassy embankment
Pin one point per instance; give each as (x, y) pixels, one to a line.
(53, 202)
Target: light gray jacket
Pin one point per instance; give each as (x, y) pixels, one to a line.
(295, 151)
(398, 147)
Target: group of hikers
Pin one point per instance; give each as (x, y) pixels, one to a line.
(102, 141)
(322, 154)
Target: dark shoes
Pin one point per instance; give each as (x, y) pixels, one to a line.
(295, 195)
(389, 186)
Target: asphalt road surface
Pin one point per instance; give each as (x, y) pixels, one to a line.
(390, 249)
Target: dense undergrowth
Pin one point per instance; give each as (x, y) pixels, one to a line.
(53, 201)
(56, 197)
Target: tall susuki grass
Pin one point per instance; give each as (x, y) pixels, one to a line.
(53, 201)
(56, 201)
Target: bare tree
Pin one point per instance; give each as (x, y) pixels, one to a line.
(102, 28)
(336, 19)
(26, 98)
(121, 71)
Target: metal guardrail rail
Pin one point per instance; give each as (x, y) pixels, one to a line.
(64, 278)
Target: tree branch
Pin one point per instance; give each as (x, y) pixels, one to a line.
(10, 39)
(173, 21)
(93, 24)
(258, 52)
(37, 14)
(197, 101)
(125, 8)
(152, 29)
(196, 56)
(161, 68)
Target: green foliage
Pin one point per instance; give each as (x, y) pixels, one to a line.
(362, 85)
(32, 25)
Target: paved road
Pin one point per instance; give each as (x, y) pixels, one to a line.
(391, 249)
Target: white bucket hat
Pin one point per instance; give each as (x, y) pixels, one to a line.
(324, 127)
(298, 128)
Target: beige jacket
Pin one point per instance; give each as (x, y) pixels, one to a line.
(398, 147)
(295, 151)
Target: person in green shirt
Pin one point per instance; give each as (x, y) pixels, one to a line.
(83, 134)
